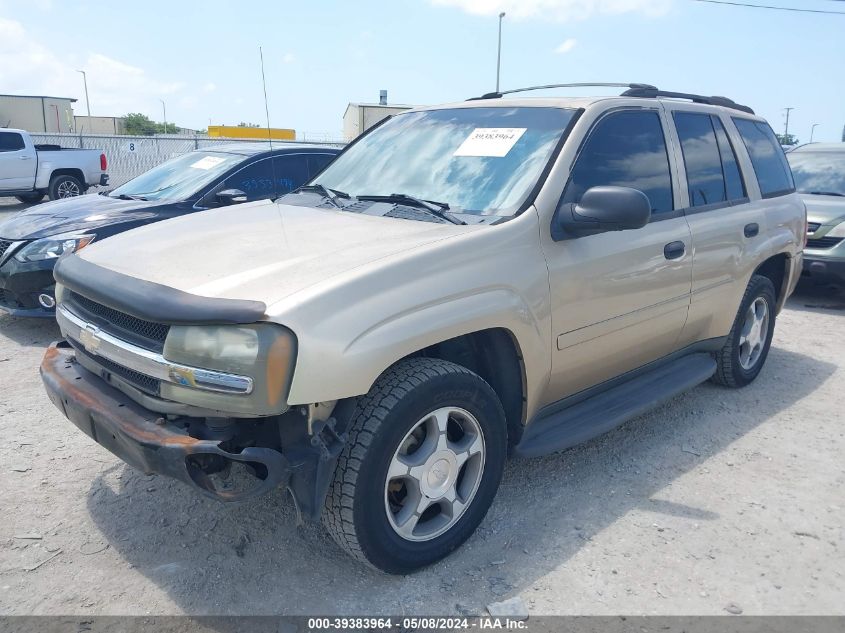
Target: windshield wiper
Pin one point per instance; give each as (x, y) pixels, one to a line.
(439, 209)
(123, 196)
(331, 195)
(825, 193)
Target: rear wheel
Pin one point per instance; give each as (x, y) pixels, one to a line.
(744, 353)
(426, 450)
(30, 198)
(65, 186)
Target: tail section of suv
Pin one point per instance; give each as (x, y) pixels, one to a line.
(464, 282)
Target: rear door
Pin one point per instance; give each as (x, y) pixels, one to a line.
(17, 162)
(619, 299)
(725, 216)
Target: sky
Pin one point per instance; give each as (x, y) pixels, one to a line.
(202, 58)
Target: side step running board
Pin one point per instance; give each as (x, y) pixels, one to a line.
(607, 410)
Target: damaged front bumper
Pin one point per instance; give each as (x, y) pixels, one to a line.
(153, 444)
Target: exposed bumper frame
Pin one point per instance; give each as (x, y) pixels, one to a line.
(140, 437)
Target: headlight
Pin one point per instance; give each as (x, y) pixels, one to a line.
(837, 231)
(265, 352)
(53, 247)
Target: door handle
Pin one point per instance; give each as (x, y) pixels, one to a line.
(751, 230)
(674, 250)
(26, 157)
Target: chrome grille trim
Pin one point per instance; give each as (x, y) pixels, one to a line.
(152, 364)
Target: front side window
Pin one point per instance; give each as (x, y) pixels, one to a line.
(702, 160)
(11, 142)
(290, 172)
(625, 149)
(767, 157)
(180, 177)
(255, 180)
(820, 173)
(482, 161)
(317, 162)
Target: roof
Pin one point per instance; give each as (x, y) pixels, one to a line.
(251, 149)
(819, 147)
(71, 99)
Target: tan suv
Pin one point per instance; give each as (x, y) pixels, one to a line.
(464, 282)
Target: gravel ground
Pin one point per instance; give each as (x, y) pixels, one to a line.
(720, 500)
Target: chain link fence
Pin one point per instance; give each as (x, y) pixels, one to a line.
(130, 156)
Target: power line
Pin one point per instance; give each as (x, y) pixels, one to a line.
(768, 6)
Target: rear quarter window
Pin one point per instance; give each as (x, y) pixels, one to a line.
(770, 166)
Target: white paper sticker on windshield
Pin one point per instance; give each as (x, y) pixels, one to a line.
(207, 163)
(490, 141)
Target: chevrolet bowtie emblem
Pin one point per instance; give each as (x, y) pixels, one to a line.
(89, 339)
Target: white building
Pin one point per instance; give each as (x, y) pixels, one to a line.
(360, 117)
(36, 113)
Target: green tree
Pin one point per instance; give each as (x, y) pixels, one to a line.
(138, 124)
(787, 139)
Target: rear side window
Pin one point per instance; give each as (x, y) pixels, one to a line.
(702, 160)
(11, 142)
(290, 171)
(625, 149)
(316, 162)
(767, 157)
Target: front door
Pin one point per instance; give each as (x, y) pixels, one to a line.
(17, 163)
(619, 299)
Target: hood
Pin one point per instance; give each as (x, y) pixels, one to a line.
(824, 209)
(83, 213)
(263, 251)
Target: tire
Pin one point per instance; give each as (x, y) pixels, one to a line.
(30, 198)
(739, 362)
(65, 186)
(362, 508)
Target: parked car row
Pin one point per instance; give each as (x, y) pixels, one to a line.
(501, 276)
(32, 241)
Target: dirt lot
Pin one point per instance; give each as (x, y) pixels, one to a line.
(718, 498)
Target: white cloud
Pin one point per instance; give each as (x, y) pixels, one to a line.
(115, 87)
(558, 10)
(209, 87)
(566, 46)
(288, 58)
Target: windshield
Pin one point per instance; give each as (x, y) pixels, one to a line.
(818, 172)
(482, 161)
(180, 177)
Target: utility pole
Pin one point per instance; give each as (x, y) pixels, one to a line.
(87, 102)
(499, 52)
(164, 112)
(812, 131)
(786, 129)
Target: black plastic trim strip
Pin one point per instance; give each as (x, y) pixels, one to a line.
(151, 301)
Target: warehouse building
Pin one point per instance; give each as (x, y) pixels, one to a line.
(360, 117)
(37, 113)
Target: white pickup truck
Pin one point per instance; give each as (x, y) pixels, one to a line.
(29, 172)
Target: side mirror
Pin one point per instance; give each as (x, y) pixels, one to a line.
(231, 196)
(604, 208)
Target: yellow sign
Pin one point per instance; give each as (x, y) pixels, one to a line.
(234, 131)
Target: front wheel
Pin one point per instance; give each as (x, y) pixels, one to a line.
(427, 446)
(744, 353)
(65, 186)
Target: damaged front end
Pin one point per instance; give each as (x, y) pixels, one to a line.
(297, 449)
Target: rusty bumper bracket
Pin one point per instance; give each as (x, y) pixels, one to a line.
(141, 437)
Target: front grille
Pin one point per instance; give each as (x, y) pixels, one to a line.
(4, 246)
(812, 227)
(824, 242)
(138, 380)
(146, 334)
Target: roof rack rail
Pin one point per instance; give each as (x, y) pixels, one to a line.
(498, 95)
(652, 92)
